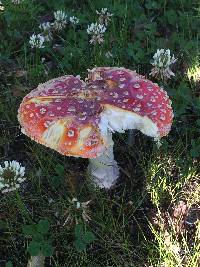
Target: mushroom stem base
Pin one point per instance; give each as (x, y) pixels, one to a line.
(104, 169)
(36, 261)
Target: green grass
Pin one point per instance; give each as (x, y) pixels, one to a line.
(152, 180)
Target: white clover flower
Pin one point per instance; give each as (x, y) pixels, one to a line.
(16, 2)
(37, 41)
(60, 15)
(96, 31)
(74, 20)
(11, 175)
(77, 207)
(46, 31)
(104, 16)
(161, 64)
(60, 20)
(1, 6)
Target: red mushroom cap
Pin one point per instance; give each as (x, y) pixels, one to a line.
(73, 117)
(131, 92)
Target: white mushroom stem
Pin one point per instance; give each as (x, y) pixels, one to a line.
(36, 261)
(104, 169)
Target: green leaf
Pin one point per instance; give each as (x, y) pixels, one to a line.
(88, 237)
(79, 245)
(197, 123)
(79, 231)
(3, 225)
(46, 249)
(171, 16)
(197, 103)
(194, 152)
(59, 169)
(9, 264)
(34, 248)
(29, 230)
(152, 5)
(43, 226)
(56, 181)
(38, 237)
(185, 92)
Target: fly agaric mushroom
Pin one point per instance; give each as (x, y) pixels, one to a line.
(77, 118)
